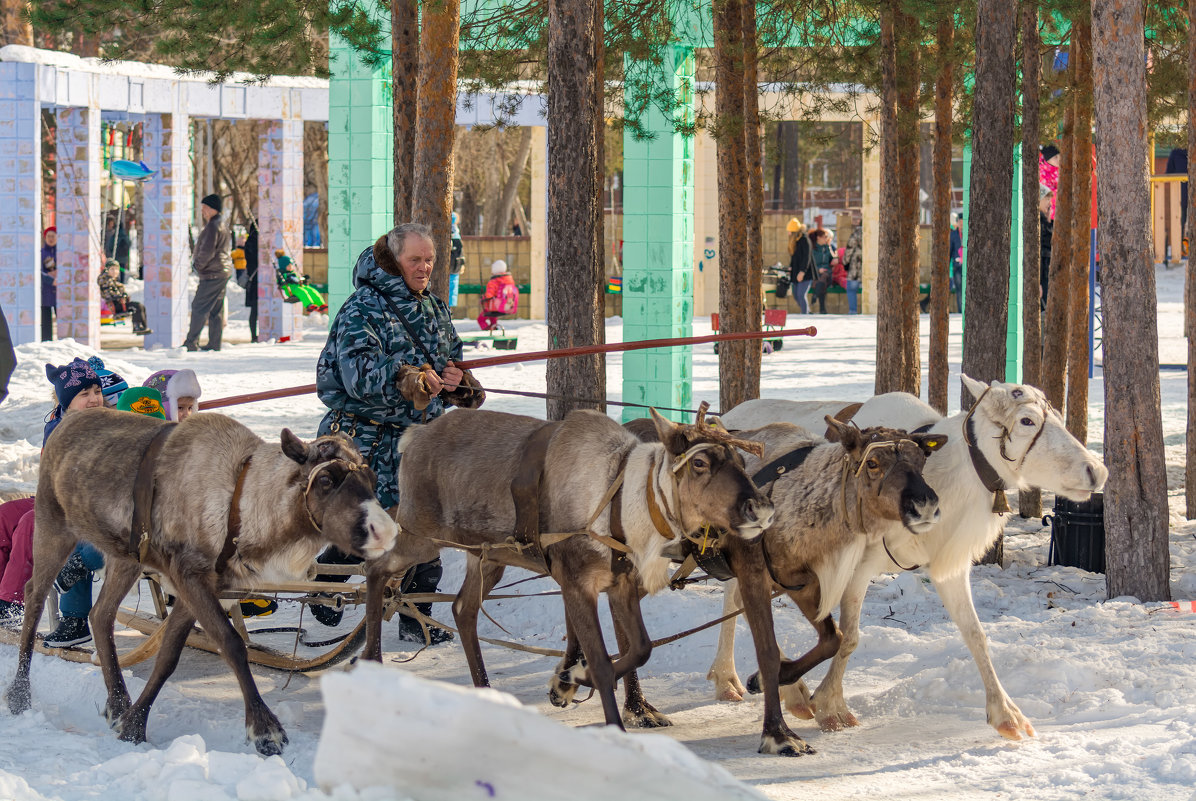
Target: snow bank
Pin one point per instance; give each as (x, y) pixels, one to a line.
(443, 743)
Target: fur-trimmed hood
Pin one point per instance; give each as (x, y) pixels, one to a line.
(370, 268)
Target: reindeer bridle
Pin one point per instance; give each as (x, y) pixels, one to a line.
(987, 474)
(350, 467)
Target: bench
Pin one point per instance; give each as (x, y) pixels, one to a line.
(499, 338)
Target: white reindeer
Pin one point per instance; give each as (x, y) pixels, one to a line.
(1017, 442)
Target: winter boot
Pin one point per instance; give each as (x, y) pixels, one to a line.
(332, 556)
(71, 574)
(421, 579)
(258, 607)
(70, 631)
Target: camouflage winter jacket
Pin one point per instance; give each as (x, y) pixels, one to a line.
(356, 375)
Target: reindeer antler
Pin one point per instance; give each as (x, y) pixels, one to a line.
(716, 432)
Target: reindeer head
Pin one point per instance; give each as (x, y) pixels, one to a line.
(1027, 442)
(712, 487)
(885, 465)
(338, 493)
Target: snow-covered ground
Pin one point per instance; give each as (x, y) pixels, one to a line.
(1109, 685)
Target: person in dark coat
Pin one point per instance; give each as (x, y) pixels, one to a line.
(213, 260)
(8, 356)
(251, 263)
(801, 262)
(49, 278)
(116, 244)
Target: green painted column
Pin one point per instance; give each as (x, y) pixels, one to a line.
(1015, 334)
(658, 237)
(360, 165)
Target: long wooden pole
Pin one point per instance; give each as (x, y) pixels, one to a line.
(514, 358)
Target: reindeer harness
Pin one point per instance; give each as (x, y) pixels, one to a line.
(987, 474)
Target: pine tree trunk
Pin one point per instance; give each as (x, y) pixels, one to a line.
(435, 130)
(506, 203)
(599, 88)
(575, 270)
(1081, 234)
(1136, 517)
(755, 185)
(1190, 284)
(986, 321)
(789, 134)
(1029, 503)
(940, 243)
(888, 268)
(404, 38)
(909, 119)
(1054, 337)
(738, 301)
(14, 27)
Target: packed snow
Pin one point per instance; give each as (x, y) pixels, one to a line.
(1110, 686)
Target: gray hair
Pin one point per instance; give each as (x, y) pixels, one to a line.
(398, 236)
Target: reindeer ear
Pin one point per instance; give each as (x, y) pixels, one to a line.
(293, 447)
(671, 434)
(929, 443)
(834, 429)
(975, 388)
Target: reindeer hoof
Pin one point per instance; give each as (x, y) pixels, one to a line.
(1011, 730)
(801, 711)
(114, 709)
(753, 684)
(730, 694)
(18, 697)
(129, 728)
(271, 741)
(647, 718)
(838, 722)
(563, 685)
(787, 745)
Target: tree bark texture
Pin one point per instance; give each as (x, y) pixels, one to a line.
(738, 300)
(1190, 283)
(1058, 323)
(1029, 502)
(575, 270)
(1136, 519)
(14, 27)
(1081, 233)
(889, 353)
(435, 130)
(940, 224)
(599, 89)
(404, 41)
(986, 321)
(908, 36)
(500, 225)
(754, 154)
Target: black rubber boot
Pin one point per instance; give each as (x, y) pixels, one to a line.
(332, 556)
(420, 579)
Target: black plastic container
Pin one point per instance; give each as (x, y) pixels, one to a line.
(1078, 533)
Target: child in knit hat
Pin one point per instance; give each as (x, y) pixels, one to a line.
(180, 392)
(111, 384)
(114, 292)
(296, 288)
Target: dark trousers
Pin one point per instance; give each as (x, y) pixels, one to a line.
(419, 579)
(47, 323)
(207, 308)
(135, 310)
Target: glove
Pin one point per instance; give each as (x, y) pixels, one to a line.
(468, 394)
(414, 386)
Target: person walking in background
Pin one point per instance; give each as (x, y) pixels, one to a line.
(853, 262)
(251, 265)
(311, 218)
(212, 259)
(49, 281)
(821, 255)
(801, 262)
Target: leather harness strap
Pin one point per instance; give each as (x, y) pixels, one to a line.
(234, 521)
(781, 465)
(659, 521)
(525, 489)
(143, 494)
(987, 474)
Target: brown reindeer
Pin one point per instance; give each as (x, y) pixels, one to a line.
(455, 489)
(226, 508)
(831, 500)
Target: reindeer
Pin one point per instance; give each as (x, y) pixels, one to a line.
(1009, 438)
(216, 506)
(590, 502)
(831, 500)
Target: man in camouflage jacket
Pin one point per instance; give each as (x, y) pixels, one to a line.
(376, 379)
(373, 378)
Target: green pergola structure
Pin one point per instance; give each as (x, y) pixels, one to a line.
(658, 207)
